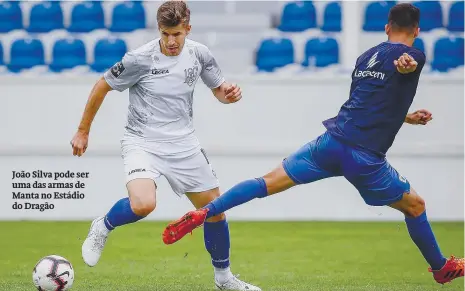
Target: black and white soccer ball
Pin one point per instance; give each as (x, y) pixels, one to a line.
(53, 273)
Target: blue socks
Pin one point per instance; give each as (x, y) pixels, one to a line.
(422, 235)
(237, 195)
(217, 243)
(120, 214)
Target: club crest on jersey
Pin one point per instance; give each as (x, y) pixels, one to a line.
(191, 75)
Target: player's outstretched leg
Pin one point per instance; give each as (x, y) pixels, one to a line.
(125, 211)
(312, 162)
(217, 243)
(274, 182)
(444, 270)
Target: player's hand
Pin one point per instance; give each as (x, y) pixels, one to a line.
(233, 93)
(79, 143)
(405, 64)
(421, 116)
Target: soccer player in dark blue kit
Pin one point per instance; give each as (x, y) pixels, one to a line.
(384, 83)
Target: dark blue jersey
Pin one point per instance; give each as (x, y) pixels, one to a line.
(379, 100)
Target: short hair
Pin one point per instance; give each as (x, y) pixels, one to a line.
(404, 16)
(172, 13)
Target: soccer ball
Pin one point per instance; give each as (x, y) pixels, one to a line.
(53, 273)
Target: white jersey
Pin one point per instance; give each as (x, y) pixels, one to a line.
(161, 88)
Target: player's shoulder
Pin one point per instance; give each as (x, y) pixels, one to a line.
(147, 49)
(195, 44)
(417, 54)
(391, 51)
(399, 49)
(369, 53)
(417, 51)
(143, 54)
(202, 52)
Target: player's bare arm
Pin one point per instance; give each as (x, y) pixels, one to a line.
(228, 93)
(406, 64)
(96, 97)
(421, 117)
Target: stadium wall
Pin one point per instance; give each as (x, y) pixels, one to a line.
(276, 116)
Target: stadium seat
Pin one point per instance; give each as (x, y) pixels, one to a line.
(376, 15)
(419, 44)
(45, 17)
(67, 54)
(321, 52)
(108, 52)
(1, 55)
(332, 17)
(25, 54)
(127, 17)
(456, 17)
(12, 2)
(86, 17)
(430, 15)
(274, 53)
(298, 16)
(11, 17)
(448, 53)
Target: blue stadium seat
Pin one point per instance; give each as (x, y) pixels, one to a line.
(274, 53)
(45, 17)
(419, 44)
(448, 53)
(332, 17)
(430, 15)
(25, 54)
(67, 54)
(128, 17)
(86, 17)
(298, 16)
(456, 17)
(12, 2)
(11, 17)
(1, 55)
(108, 52)
(376, 15)
(324, 52)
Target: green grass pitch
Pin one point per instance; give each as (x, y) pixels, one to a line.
(273, 255)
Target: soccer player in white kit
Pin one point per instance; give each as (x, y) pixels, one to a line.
(159, 136)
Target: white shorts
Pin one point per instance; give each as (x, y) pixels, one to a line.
(184, 164)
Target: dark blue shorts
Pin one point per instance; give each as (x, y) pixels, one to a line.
(376, 180)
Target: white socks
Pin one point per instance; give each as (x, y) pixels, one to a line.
(100, 224)
(223, 275)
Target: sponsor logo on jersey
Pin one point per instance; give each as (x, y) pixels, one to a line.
(367, 73)
(370, 73)
(372, 61)
(159, 71)
(135, 171)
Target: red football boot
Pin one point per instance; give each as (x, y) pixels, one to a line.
(186, 224)
(452, 269)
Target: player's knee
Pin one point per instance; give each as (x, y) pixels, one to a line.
(217, 218)
(416, 208)
(143, 207)
(277, 181)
